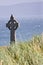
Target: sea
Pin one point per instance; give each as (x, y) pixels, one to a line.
(28, 27)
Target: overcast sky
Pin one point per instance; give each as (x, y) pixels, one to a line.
(21, 10)
(10, 2)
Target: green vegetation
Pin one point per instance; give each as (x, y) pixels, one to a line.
(23, 53)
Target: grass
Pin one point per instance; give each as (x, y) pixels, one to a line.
(23, 53)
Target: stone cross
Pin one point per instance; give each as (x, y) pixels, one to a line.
(12, 26)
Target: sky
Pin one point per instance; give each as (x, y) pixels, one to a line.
(27, 8)
(10, 2)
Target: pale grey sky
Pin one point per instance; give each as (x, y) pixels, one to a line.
(21, 10)
(10, 2)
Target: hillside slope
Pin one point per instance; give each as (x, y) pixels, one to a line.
(23, 53)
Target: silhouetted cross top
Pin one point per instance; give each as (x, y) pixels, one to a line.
(12, 26)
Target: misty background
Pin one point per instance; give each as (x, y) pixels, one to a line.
(28, 13)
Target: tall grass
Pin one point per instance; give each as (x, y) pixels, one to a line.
(23, 53)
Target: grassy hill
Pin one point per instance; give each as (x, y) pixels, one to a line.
(23, 53)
